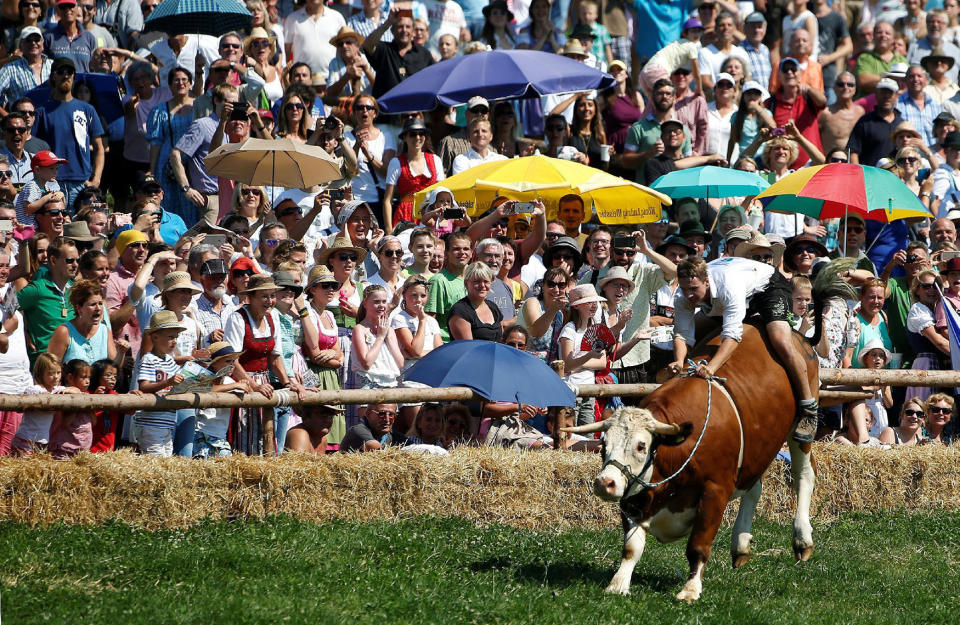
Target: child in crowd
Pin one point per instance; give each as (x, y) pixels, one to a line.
(103, 381)
(210, 440)
(580, 361)
(40, 191)
(418, 334)
(375, 355)
(422, 244)
(588, 12)
(72, 432)
(869, 416)
(157, 372)
(801, 317)
(673, 56)
(34, 431)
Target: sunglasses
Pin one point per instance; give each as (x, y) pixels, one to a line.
(913, 413)
(239, 273)
(517, 344)
(261, 43)
(563, 256)
(19, 130)
(5, 173)
(619, 251)
(503, 223)
(271, 242)
(843, 83)
(139, 245)
(556, 284)
(343, 257)
(838, 159)
(556, 128)
(288, 212)
(33, 5)
(364, 107)
(392, 253)
(939, 409)
(807, 249)
(416, 133)
(926, 285)
(480, 110)
(552, 235)
(907, 159)
(331, 286)
(65, 71)
(29, 112)
(296, 106)
(57, 212)
(235, 46)
(855, 229)
(762, 258)
(72, 261)
(255, 192)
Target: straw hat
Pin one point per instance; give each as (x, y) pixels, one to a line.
(758, 240)
(616, 273)
(341, 244)
(79, 231)
(320, 273)
(937, 55)
(221, 349)
(584, 294)
(260, 282)
(347, 33)
(573, 48)
(905, 127)
(258, 33)
(164, 320)
(179, 280)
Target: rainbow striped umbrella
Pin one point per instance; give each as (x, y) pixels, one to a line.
(827, 191)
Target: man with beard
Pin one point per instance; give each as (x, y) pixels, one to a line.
(673, 136)
(596, 254)
(643, 140)
(213, 305)
(132, 247)
(44, 301)
(73, 130)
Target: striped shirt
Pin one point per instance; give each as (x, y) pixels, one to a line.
(153, 368)
(364, 25)
(922, 120)
(17, 78)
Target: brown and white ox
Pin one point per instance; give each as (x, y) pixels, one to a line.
(751, 415)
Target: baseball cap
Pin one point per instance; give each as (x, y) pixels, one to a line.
(213, 267)
(753, 85)
(45, 158)
(888, 83)
(727, 77)
(146, 183)
(617, 63)
(789, 59)
(671, 121)
(30, 30)
(477, 101)
(692, 23)
(755, 18)
(62, 61)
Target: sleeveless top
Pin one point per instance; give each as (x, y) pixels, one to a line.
(543, 347)
(88, 350)
(327, 339)
(384, 371)
(256, 351)
(408, 184)
(481, 331)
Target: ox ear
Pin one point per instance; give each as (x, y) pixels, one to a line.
(597, 426)
(672, 433)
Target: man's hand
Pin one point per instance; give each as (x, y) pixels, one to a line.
(640, 238)
(704, 371)
(196, 198)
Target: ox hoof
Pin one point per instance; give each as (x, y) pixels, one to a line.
(618, 587)
(739, 559)
(688, 595)
(802, 554)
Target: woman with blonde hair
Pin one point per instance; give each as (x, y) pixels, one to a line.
(251, 202)
(908, 162)
(260, 50)
(932, 349)
(939, 411)
(261, 17)
(910, 430)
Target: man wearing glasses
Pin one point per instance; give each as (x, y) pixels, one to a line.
(31, 144)
(44, 301)
(837, 120)
(375, 430)
(28, 71)
(132, 247)
(73, 130)
(14, 137)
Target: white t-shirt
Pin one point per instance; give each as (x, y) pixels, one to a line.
(446, 18)
(310, 37)
(14, 366)
(711, 59)
(214, 421)
(471, 158)
(718, 132)
(364, 187)
(584, 376)
(35, 425)
(403, 319)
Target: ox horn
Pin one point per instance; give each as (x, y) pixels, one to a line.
(665, 429)
(598, 426)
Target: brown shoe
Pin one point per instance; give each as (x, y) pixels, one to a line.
(806, 428)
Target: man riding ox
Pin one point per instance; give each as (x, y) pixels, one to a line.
(699, 440)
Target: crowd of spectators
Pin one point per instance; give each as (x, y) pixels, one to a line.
(113, 280)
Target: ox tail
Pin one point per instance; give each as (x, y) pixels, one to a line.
(828, 283)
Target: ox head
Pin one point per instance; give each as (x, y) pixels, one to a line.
(632, 434)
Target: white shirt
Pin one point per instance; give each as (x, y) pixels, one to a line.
(233, 330)
(733, 281)
(718, 132)
(446, 18)
(463, 162)
(946, 186)
(208, 46)
(711, 59)
(309, 37)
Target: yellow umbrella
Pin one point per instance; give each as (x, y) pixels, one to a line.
(617, 201)
(280, 163)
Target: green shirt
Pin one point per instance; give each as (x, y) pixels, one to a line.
(643, 134)
(870, 63)
(44, 308)
(446, 290)
(898, 307)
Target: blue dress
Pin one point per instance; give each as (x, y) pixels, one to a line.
(159, 126)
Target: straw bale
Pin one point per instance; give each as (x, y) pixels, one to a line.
(541, 490)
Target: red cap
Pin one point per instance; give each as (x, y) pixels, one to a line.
(62, 2)
(45, 158)
(265, 114)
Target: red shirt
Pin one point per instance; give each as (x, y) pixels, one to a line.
(804, 114)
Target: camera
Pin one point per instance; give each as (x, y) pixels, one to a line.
(913, 258)
(624, 241)
(337, 194)
(238, 114)
(331, 123)
(778, 132)
(454, 213)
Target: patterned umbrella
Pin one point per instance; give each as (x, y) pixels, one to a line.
(199, 17)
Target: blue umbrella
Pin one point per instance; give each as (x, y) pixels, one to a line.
(105, 89)
(495, 371)
(199, 17)
(709, 181)
(495, 75)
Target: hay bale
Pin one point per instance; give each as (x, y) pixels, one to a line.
(539, 490)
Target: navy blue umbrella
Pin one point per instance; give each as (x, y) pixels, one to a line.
(495, 75)
(199, 17)
(495, 371)
(104, 87)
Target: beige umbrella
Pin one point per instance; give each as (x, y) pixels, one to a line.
(274, 163)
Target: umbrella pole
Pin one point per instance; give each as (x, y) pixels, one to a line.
(845, 209)
(876, 238)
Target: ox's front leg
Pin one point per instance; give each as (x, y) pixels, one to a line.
(705, 525)
(741, 537)
(801, 465)
(634, 538)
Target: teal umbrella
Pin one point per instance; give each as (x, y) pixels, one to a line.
(709, 181)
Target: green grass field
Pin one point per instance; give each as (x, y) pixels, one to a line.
(883, 568)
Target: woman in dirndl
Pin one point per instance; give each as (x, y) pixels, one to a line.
(413, 169)
(253, 330)
(321, 345)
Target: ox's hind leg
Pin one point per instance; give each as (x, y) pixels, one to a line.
(741, 537)
(634, 539)
(705, 525)
(803, 480)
